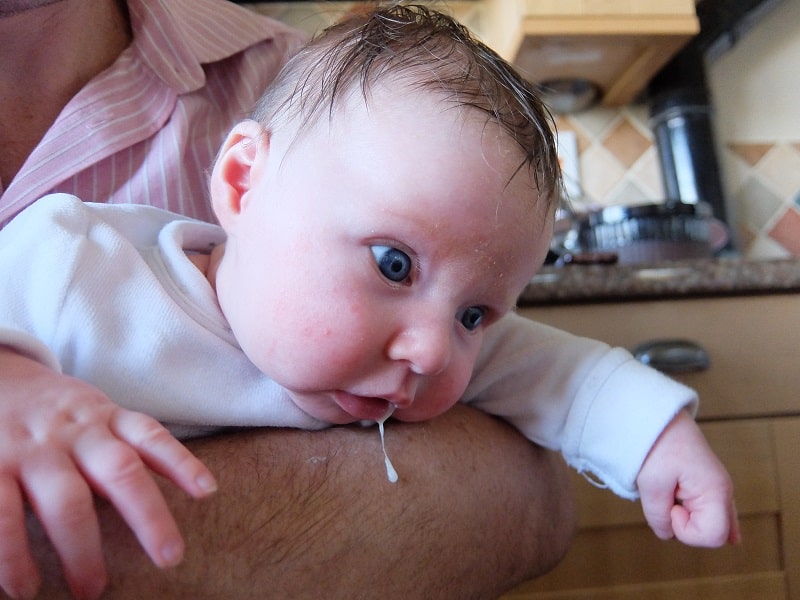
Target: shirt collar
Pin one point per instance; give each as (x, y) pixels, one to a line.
(175, 38)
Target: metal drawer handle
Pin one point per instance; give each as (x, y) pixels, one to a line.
(673, 355)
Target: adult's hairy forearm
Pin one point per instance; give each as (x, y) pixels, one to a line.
(300, 514)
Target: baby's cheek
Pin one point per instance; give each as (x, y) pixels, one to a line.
(334, 349)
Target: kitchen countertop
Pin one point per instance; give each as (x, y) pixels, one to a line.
(675, 279)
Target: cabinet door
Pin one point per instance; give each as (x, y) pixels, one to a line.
(787, 447)
(749, 587)
(615, 556)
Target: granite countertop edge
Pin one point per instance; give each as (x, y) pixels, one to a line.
(675, 279)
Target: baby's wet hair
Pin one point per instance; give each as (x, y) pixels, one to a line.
(427, 50)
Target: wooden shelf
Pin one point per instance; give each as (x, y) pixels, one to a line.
(617, 45)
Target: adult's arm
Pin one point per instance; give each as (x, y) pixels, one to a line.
(301, 514)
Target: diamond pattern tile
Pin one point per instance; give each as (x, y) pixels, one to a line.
(787, 231)
(757, 204)
(781, 168)
(750, 153)
(626, 143)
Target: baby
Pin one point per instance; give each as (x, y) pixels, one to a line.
(380, 215)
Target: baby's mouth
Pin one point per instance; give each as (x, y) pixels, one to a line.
(362, 408)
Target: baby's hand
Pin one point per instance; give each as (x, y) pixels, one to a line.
(685, 490)
(61, 439)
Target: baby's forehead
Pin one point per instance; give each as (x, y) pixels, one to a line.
(421, 110)
(389, 98)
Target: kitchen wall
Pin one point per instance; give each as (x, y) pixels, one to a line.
(756, 92)
(756, 95)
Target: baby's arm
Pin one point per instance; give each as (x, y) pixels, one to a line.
(61, 439)
(685, 491)
(610, 416)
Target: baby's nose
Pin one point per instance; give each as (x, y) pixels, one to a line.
(426, 348)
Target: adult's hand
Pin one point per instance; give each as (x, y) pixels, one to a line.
(478, 509)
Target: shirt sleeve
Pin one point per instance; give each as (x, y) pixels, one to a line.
(597, 405)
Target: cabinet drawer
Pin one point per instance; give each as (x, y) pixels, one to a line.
(753, 343)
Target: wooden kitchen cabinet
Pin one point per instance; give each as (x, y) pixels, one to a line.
(750, 413)
(618, 45)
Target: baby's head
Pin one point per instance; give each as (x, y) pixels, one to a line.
(423, 50)
(389, 202)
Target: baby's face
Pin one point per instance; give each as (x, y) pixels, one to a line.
(368, 260)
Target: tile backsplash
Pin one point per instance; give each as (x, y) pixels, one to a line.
(618, 164)
(756, 97)
(617, 157)
(765, 194)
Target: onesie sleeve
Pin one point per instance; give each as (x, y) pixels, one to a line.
(27, 345)
(38, 255)
(597, 405)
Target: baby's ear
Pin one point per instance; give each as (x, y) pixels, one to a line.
(231, 177)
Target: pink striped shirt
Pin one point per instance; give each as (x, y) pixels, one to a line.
(147, 129)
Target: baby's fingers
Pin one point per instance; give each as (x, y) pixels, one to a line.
(657, 505)
(710, 525)
(735, 532)
(64, 504)
(163, 453)
(19, 576)
(709, 529)
(116, 472)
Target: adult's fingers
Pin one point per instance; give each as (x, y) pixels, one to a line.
(19, 576)
(63, 502)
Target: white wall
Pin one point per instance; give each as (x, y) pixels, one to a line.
(756, 84)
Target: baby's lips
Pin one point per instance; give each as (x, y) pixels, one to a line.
(397, 401)
(363, 408)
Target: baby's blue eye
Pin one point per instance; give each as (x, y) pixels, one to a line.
(472, 317)
(394, 264)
